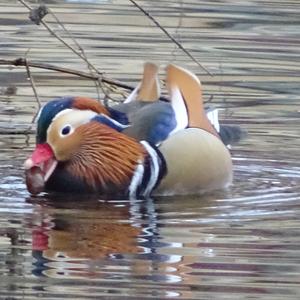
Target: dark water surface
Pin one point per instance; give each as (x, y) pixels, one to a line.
(243, 243)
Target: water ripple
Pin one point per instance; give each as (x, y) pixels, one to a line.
(240, 243)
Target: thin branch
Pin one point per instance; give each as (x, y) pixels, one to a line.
(29, 76)
(36, 15)
(33, 88)
(67, 31)
(61, 39)
(25, 4)
(92, 70)
(149, 16)
(179, 25)
(22, 62)
(210, 99)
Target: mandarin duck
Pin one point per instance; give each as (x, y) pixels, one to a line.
(134, 148)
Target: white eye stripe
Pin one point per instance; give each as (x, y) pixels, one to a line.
(71, 117)
(63, 112)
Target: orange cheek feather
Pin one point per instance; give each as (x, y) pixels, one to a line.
(39, 167)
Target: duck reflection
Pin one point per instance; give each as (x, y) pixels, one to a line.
(91, 231)
(86, 239)
(89, 238)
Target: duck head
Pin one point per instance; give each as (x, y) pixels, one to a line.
(83, 152)
(52, 108)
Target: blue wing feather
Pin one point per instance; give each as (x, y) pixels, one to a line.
(117, 115)
(163, 125)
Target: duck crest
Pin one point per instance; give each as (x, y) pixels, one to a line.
(84, 103)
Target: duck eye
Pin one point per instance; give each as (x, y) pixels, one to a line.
(66, 130)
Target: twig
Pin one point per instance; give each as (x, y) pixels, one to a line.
(92, 70)
(29, 129)
(177, 30)
(39, 13)
(33, 88)
(21, 62)
(210, 99)
(25, 4)
(61, 39)
(148, 15)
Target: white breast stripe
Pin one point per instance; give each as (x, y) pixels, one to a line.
(154, 168)
(136, 180)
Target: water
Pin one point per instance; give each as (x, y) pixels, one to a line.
(242, 243)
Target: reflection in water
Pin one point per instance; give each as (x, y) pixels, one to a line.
(77, 242)
(163, 247)
(235, 244)
(61, 242)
